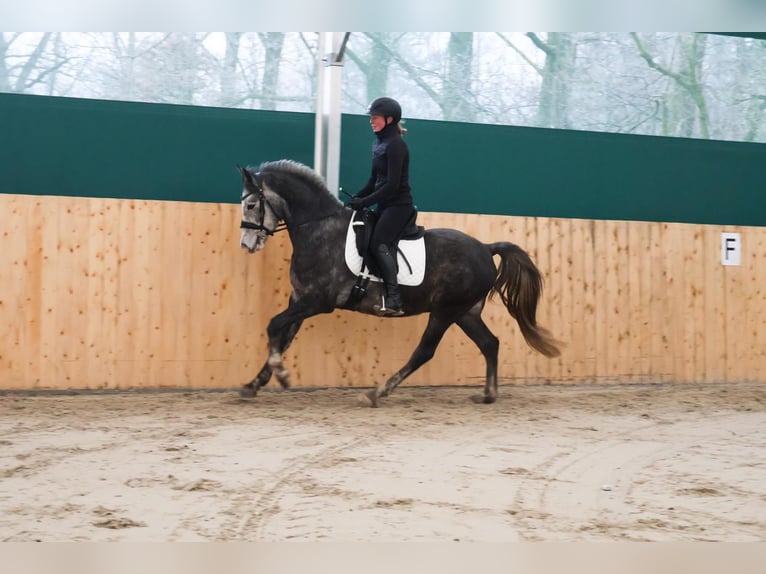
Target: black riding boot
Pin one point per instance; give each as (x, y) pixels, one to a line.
(392, 304)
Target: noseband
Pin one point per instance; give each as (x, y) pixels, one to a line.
(263, 202)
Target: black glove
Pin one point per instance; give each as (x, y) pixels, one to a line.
(356, 203)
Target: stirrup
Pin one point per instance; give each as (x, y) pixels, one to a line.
(384, 311)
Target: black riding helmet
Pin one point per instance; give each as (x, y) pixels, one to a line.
(385, 107)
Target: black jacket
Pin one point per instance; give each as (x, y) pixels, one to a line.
(389, 182)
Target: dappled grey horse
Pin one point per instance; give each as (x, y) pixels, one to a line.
(460, 274)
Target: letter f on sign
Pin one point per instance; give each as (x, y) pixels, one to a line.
(731, 249)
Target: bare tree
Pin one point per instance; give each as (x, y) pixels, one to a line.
(228, 70)
(30, 68)
(450, 89)
(749, 97)
(684, 102)
(126, 53)
(560, 54)
(456, 97)
(273, 43)
(374, 67)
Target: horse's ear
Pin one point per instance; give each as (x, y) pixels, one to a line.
(244, 173)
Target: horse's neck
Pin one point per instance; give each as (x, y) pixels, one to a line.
(328, 224)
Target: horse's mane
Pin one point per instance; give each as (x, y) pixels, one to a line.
(292, 167)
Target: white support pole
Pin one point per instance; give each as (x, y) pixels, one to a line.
(327, 122)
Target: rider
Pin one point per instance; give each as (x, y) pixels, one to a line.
(389, 187)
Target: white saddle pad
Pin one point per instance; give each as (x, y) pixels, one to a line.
(411, 270)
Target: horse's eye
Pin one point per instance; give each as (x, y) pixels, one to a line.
(250, 206)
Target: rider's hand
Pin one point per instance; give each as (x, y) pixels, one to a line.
(356, 203)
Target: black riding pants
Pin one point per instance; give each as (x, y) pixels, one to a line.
(391, 222)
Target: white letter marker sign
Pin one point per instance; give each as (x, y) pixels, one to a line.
(731, 249)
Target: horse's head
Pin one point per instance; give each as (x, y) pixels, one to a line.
(262, 211)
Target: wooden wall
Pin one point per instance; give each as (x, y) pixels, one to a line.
(104, 293)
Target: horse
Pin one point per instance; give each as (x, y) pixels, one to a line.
(460, 276)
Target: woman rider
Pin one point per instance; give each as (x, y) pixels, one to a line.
(389, 187)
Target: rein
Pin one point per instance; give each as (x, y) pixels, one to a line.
(263, 202)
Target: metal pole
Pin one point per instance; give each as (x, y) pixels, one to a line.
(328, 116)
(319, 118)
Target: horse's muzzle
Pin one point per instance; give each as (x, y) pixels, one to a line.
(252, 241)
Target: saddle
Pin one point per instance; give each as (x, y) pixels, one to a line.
(409, 248)
(363, 222)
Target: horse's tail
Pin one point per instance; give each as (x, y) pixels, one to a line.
(519, 285)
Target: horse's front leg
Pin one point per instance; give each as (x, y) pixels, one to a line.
(264, 375)
(281, 331)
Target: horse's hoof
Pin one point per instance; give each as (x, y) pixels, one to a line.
(247, 392)
(369, 399)
(483, 399)
(283, 378)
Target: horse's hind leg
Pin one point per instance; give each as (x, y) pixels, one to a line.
(431, 338)
(264, 375)
(473, 326)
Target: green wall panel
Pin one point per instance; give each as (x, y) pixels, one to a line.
(501, 170)
(97, 148)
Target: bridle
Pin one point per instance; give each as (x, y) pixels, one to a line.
(262, 203)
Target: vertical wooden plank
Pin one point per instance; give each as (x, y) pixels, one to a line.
(12, 286)
(205, 346)
(649, 300)
(625, 291)
(613, 313)
(145, 260)
(226, 249)
(200, 276)
(32, 296)
(590, 287)
(556, 288)
(96, 310)
(573, 325)
(714, 322)
(603, 315)
(107, 264)
(176, 285)
(126, 308)
(736, 307)
(71, 300)
(102, 353)
(686, 302)
(753, 300)
(758, 369)
(701, 261)
(234, 273)
(157, 259)
(51, 208)
(677, 314)
(661, 307)
(641, 298)
(683, 303)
